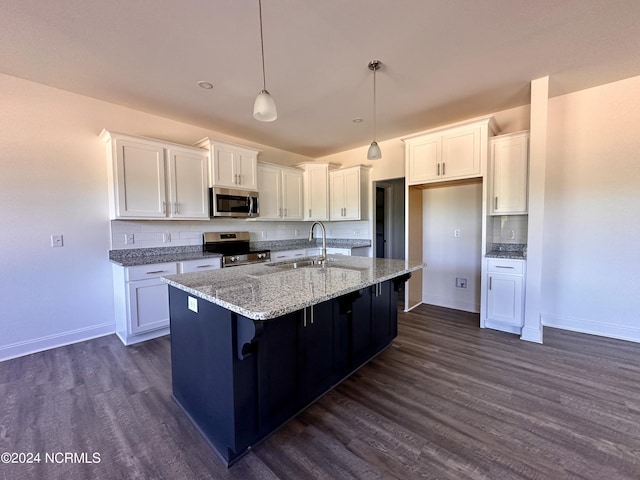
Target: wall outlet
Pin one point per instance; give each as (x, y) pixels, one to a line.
(192, 304)
(128, 239)
(456, 233)
(461, 283)
(57, 241)
(166, 238)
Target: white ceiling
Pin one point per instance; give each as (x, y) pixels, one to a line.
(443, 60)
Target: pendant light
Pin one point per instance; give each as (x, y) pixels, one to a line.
(264, 108)
(374, 152)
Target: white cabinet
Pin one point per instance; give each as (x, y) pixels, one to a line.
(508, 172)
(316, 191)
(152, 179)
(349, 193)
(282, 255)
(448, 153)
(505, 294)
(280, 190)
(191, 266)
(231, 166)
(141, 301)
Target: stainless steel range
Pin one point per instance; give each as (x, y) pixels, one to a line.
(234, 248)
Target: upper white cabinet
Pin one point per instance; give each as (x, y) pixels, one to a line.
(280, 190)
(316, 191)
(231, 166)
(448, 153)
(508, 172)
(152, 179)
(348, 193)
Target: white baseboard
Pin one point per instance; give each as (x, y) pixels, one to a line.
(27, 347)
(621, 332)
(451, 303)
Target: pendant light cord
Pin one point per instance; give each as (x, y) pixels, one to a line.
(264, 78)
(375, 129)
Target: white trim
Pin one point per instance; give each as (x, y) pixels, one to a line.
(621, 332)
(448, 302)
(20, 349)
(411, 308)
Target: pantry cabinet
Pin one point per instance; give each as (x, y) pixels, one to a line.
(508, 174)
(505, 294)
(153, 179)
(454, 152)
(349, 193)
(280, 190)
(230, 165)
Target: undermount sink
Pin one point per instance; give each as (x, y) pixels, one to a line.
(306, 263)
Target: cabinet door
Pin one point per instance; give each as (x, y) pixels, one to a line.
(336, 192)
(504, 299)
(461, 153)
(280, 386)
(316, 192)
(424, 159)
(384, 311)
(320, 353)
(245, 167)
(351, 194)
(188, 197)
(223, 172)
(292, 195)
(148, 305)
(509, 169)
(270, 190)
(140, 180)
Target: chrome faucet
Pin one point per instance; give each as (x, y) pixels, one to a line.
(323, 256)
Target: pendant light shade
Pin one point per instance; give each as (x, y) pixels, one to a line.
(374, 152)
(264, 108)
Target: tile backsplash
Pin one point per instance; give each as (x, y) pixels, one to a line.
(508, 229)
(155, 233)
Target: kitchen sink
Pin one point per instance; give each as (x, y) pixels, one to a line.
(306, 263)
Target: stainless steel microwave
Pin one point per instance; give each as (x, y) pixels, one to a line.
(226, 202)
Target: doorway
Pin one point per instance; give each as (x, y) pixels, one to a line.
(388, 221)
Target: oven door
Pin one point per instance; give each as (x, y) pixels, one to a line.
(225, 202)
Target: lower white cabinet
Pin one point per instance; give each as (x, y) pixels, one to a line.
(505, 294)
(141, 297)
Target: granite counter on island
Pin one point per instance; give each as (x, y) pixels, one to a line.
(252, 346)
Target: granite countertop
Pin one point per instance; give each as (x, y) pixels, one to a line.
(147, 256)
(262, 291)
(516, 251)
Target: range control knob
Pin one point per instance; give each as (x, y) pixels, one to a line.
(262, 255)
(233, 259)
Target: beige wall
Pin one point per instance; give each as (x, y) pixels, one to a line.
(53, 180)
(590, 277)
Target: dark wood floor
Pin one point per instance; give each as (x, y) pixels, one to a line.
(446, 401)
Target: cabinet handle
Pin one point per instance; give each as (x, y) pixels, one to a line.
(304, 317)
(503, 266)
(490, 282)
(239, 179)
(311, 310)
(286, 212)
(309, 213)
(496, 203)
(164, 207)
(443, 167)
(154, 272)
(438, 170)
(204, 266)
(280, 212)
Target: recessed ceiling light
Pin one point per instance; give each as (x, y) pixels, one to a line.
(357, 120)
(205, 85)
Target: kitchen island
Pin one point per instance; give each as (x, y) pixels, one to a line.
(252, 346)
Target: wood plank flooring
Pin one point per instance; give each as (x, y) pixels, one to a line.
(446, 401)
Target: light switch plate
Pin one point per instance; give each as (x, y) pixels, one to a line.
(57, 241)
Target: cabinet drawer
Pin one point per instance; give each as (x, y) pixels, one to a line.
(506, 266)
(287, 254)
(142, 272)
(199, 265)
